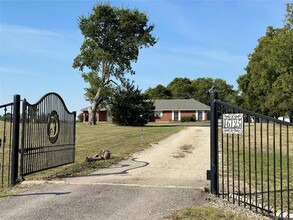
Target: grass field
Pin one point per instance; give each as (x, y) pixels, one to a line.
(208, 212)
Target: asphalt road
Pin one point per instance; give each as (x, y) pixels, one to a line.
(150, 185)
(65, 201)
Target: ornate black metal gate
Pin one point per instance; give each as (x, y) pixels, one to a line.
(48, 134)
(251, 159)
(44, 135)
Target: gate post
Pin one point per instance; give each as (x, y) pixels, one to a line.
(214, 176)
(15, 139)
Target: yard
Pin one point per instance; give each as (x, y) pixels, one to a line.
(121, 141)
(257, 164)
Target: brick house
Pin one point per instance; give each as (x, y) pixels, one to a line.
(103, 115)
(174, 109)
(166, 110)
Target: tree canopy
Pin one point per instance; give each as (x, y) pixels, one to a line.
(267, 85)
(112, 40)
(203, 85)
(130, 107)
(159, 92)
(184, 88)
(181, 88)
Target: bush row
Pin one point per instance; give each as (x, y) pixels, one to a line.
(187, 118)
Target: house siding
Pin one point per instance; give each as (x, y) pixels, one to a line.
(102, 116)
(85, 116)
(166, 116)
(187, 113)
(169, 115)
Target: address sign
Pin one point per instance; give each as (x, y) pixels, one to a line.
(233, 123)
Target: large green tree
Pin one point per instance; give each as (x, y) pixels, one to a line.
(112, 40)
(203, 85)
(159, 92)
(181, 88)
(267, 85)
(130, 107)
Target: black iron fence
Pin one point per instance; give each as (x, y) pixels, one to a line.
(9, 139)
(43, 134)
(251, 159)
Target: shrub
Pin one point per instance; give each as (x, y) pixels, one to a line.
(129, 107)
(187, 118)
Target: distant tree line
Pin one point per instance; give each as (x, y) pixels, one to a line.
(198, 89)
(6, 117)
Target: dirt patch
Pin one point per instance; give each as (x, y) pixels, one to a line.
(179, 155)
(184, 149)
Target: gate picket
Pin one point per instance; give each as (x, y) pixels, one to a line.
(254, 167)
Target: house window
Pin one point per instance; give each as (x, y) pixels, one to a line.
(176, 115)
(158, 114)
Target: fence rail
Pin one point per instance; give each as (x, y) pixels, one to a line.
(254, 168)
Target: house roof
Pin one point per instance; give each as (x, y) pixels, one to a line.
(86, 109)
(173, 104)
(179, 104)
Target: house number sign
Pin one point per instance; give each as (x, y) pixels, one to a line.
(232, 123)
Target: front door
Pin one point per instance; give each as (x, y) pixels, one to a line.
(176, 115)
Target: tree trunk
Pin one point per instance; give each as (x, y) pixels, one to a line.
(98, 98)
(94, 108)
(90, 120)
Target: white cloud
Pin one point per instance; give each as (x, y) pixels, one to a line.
(11, 70)
(23, 40)
(194, 53)
(20, 30)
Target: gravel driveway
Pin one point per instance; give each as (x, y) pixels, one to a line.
(149, 185)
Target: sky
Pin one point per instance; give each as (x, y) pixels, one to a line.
(39, 40)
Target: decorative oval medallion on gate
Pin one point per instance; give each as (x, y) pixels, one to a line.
(53, 127)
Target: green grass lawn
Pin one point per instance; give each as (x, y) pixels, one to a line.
(266, 160)
(210, 212)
